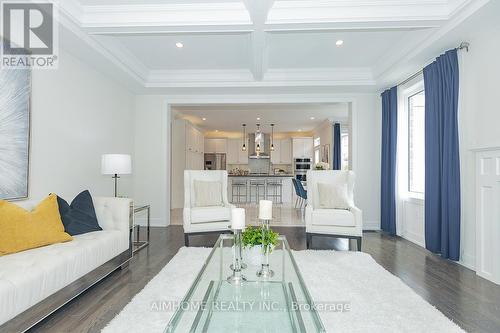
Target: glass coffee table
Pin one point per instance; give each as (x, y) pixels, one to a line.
(278, 304)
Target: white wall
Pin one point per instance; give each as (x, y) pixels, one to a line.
(367, 122)
(77, 114)
(152, 157)
(479, 117)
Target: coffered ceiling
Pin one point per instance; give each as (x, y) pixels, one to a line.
(260, 43)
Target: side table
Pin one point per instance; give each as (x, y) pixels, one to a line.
(138, 244)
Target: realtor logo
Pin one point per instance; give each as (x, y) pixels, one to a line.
(29, 35)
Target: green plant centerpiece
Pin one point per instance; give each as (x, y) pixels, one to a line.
(253, 236)
(322, 166)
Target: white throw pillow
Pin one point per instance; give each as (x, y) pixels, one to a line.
(334, 196)
(207, 193)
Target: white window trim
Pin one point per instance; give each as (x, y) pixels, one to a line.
(411, 88)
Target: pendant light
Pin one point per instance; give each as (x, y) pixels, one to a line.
(257, 147)
(244, 146)
(272, 137)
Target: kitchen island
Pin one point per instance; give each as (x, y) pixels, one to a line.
(286, 181)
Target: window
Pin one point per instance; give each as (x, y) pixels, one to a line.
(317, 146)
(416, 142)
(344, 141)
(317, 142)
(316, 155)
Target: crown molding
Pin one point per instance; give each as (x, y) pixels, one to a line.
(320, 76)
(272, 78)
(199, 78)
(68, 19)
(72, 9)
(124, 56)
(410, 48)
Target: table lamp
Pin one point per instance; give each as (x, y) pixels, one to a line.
(116, 164)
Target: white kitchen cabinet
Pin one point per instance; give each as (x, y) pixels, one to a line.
(285, 151)
(194, 139)
(234, 153)
(216, 146)
(276, 154)
(302, 147)
(209, 146)
(187, 153)
(282, 153)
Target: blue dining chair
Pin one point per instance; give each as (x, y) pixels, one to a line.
(301, 193)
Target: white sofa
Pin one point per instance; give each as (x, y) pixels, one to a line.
(202, 220)
(30, 277)
(339, 223)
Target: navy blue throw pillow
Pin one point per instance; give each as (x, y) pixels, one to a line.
(79, 217)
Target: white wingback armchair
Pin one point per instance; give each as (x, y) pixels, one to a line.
(202, 220)
(339, 223)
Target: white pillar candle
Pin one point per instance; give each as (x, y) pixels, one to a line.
(238, 218)
(265, 210)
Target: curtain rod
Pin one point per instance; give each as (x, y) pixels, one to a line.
(462, 46)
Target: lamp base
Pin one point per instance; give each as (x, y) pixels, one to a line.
(115, 177)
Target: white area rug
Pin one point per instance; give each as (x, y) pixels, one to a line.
(380, 302)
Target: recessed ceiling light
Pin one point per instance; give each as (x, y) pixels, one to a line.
(258, 118)
(216, 130)
(339, 42)
(179, 45)
(312, 118)
(300, 129)
(203, 119)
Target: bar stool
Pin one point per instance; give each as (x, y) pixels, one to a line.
(239, 190)
(259, 186)
(274, 190)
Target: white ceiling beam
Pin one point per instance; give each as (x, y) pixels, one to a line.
(352, 11)
(225, 13)
(258, 10)
(354, 26)
(170, 30)
(161, 18)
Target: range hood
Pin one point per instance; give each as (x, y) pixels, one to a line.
(258, 139)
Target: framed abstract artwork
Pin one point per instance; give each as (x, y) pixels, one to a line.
(14, 132)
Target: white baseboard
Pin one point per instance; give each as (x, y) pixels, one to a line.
(371, 225)
(154, 222)
(468, 261)
(414, 238)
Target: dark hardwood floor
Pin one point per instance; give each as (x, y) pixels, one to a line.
(470, 301)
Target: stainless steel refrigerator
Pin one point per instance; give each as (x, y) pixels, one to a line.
(215, 161)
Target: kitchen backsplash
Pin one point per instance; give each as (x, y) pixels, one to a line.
(259, 165)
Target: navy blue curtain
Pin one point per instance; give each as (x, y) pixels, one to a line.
(442, 163)
(337, 147)
(389, 144)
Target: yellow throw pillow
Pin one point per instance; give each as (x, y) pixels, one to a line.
(22, 230)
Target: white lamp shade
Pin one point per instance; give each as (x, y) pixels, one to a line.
(119, 164)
